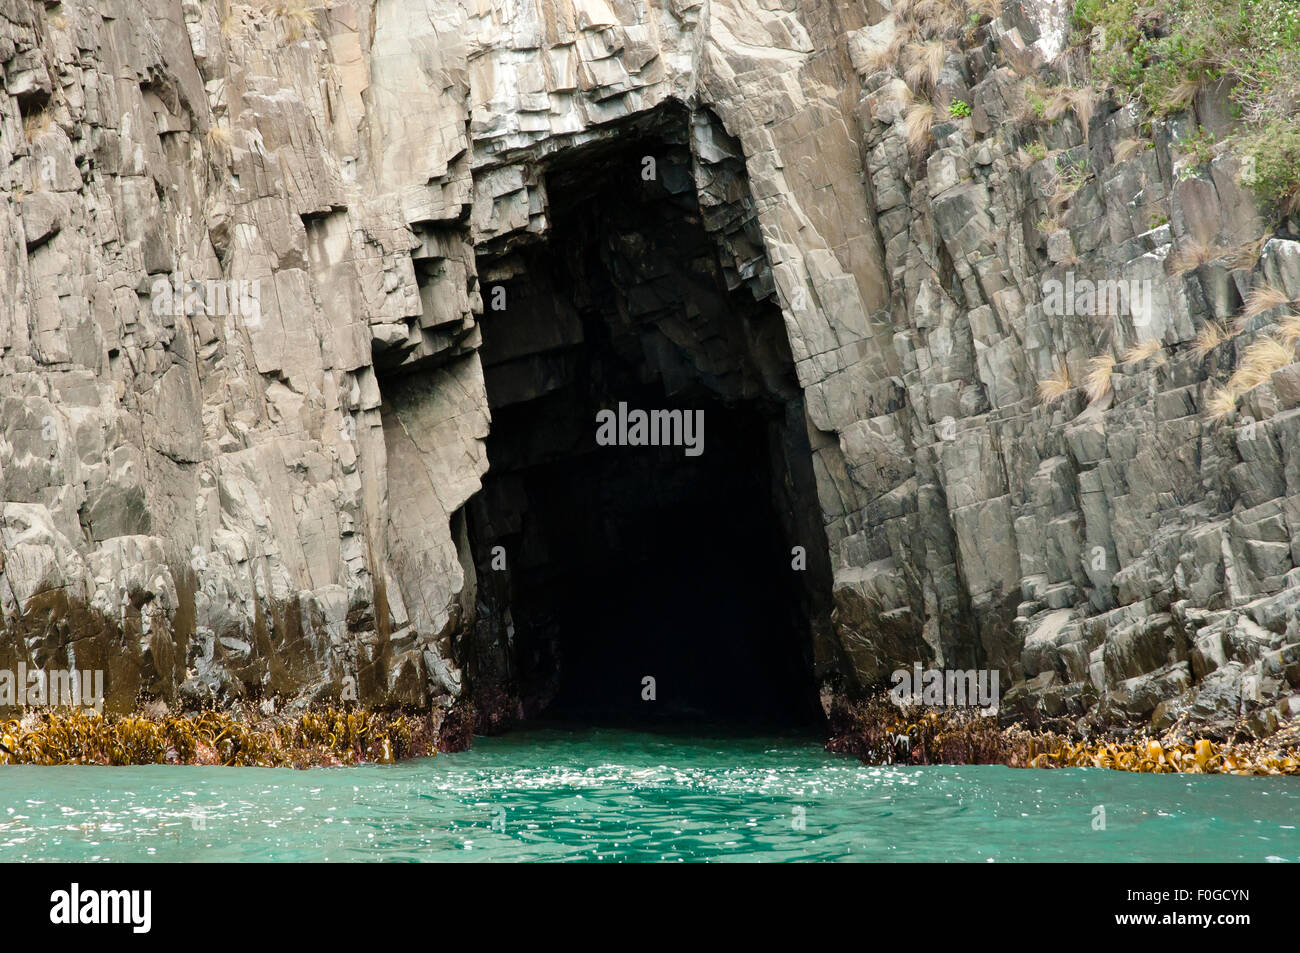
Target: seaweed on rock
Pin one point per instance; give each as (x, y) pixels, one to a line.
(878, 731)
(329, 736)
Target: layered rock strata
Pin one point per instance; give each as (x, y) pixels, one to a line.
(246, 397)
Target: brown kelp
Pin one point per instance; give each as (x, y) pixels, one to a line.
(877, 731)
(1151, 756)
(329, 736)
(880, 732)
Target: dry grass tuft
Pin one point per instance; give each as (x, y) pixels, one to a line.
(1289, 329)
(1221, 403)
(219, 137)
(1268, 354)
(1264, 298)
(1029, 98)
(1054, 388)
(937, 17)
(1208, 338)
(1097, 384)
(37, 124)
(1081, 101)
(985, 8)
(1258, 362)
(924, 64)
(1049, 224)
(884, 58)
(1247, 256)
(1062, 194)
(1058, 104)
(924, 10)
(1069, 178)
(1142, 350)
(905, 31)
(1182, 94)
(918, 122)
(295, 16)
(1128, 148)
(1189, 256)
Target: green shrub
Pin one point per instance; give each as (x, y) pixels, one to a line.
(1272, 166)
(1162, 52)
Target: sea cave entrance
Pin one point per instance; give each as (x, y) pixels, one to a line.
(605, 561)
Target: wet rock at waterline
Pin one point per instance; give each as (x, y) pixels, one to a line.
(380, 480)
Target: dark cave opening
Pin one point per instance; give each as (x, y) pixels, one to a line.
(598, 566)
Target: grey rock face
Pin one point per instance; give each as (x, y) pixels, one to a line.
(244, 387)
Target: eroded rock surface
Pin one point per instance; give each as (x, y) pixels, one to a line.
(254, 486)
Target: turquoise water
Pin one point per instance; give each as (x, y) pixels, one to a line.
(552, 794)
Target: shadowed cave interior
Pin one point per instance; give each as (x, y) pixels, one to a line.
(627, 562)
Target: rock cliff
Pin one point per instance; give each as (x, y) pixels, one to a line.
(279, 275)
